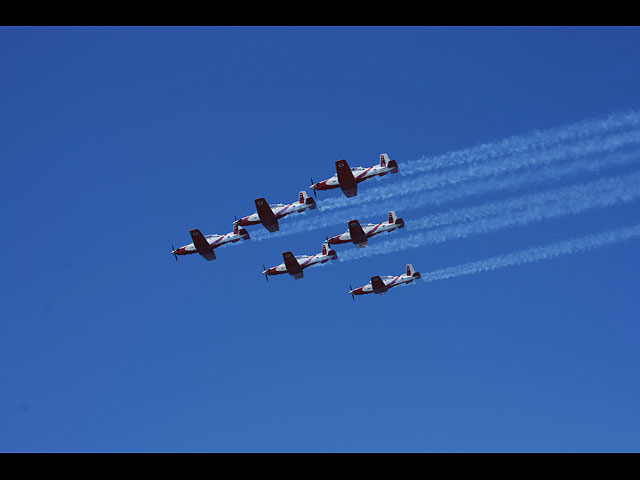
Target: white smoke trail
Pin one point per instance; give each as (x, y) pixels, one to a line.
(547, 176)
(525, 143)
(517, 212)
(577, 245)
(582, 196)
(476, 171)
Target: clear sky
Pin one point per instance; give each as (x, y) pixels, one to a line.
(114, 142)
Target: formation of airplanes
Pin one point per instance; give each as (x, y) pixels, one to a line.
(268, 215)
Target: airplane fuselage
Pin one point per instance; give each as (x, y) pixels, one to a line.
(268, 215)
(369, 229)
(360, 174)
(304, 261)
(215, 241)
(389, 282)
(279, 210)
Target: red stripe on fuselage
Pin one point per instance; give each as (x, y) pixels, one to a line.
(281, 213)
(359, 177)
(337, 240)
(323, 185)
(217, 242)
(274, 271)
(371, 232)
(306, 263)
(391, 283)
(245, 222)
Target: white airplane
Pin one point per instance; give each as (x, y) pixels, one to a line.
(293, 265)
(268, 215)
(360, 234)
(204, 245)
(348, 179)
(380, 285)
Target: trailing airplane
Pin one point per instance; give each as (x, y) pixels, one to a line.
(359, 234)
(293, 265)
(380, 285)
(204, 245)
(268, 215)
(348, 178)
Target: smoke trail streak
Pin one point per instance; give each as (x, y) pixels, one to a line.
(576, 245)
(480, 171)
(524, 143)
(548, 175)
(576, 196)
(598, 194)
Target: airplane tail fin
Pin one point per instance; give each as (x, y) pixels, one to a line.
(240, 231)
(384, 159)
(411, 271)
(393, 218)
(393, 165)
(326, 250)
(307, 200)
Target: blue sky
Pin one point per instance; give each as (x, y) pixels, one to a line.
(117, 141)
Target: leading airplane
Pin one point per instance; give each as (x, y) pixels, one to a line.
(268, 215)
(359, 235)
(204, 245)
(293, 265)
(380, 285)
(347, 178)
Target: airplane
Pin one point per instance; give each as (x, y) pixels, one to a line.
(380, 285)
(348, 178)
(204, 245)
(359, 234)
(293, 265)
(268, 215)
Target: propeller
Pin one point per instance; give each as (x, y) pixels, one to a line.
(353, 297)
(173, 250)
(264, 269)
(314, 190)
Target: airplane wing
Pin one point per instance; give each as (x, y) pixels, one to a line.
(346, 179)
(202, 245)
(356, 232)
(293, 267)
(266, 215)
(378, 285)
